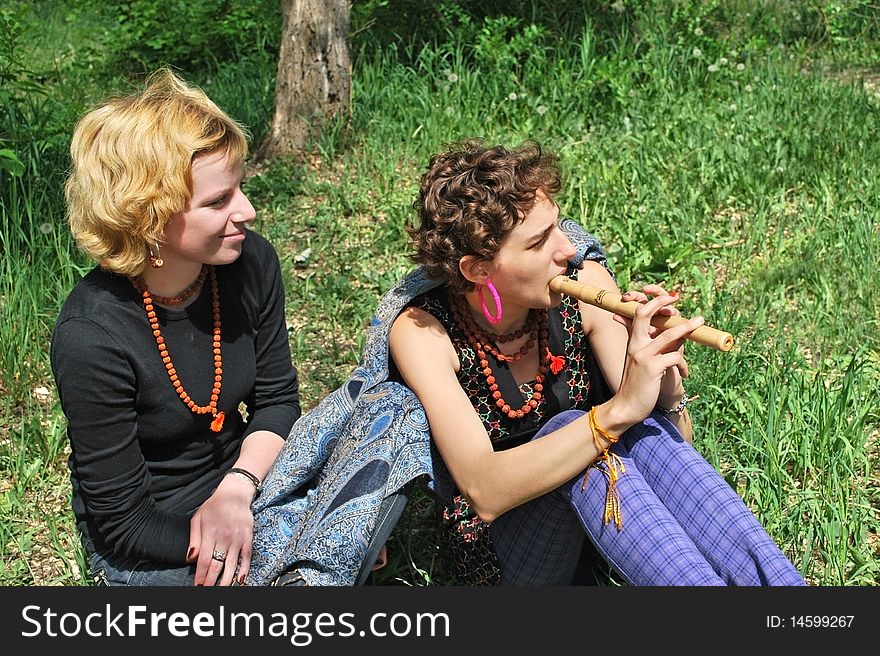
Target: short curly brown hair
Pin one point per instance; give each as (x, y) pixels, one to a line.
(471, 197)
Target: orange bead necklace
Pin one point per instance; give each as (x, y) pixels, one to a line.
(474, 333)
(182, 297)
(477, 338)
(149, 299)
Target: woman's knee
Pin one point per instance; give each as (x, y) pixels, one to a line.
(654, 430)
(558, 421)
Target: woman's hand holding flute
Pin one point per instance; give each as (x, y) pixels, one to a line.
(611, 301)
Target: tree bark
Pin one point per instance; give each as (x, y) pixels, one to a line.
(313, 84)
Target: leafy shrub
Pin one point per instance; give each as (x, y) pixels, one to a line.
(12, 74)
(186, 34)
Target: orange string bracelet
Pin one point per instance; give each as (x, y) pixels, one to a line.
(613, 469)
(217, 423)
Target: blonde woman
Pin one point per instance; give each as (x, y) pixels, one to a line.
(180, 322)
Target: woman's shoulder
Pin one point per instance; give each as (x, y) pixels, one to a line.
(418, 336)
(257, 242)
(425, 327)
(256, 248)
(96, 318)
(258, 266)
(427, 309)
(594, 273)
(96, 295)
(434, 302)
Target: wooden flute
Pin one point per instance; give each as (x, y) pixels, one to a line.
(610, 301)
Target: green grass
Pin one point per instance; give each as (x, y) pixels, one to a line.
(750, 188)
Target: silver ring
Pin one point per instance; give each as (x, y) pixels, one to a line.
(219, 555)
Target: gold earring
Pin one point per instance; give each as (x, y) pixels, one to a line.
(156, 260)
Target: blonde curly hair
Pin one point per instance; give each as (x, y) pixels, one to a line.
(132, 167)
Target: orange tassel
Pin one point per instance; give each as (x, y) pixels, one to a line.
(217, 424)
(148, 300)
(612, 500)
(557, 362)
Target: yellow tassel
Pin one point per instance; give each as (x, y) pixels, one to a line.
(613, 469)
(612, 503)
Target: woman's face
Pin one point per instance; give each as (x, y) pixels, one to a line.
(211, 228)
(534, 252)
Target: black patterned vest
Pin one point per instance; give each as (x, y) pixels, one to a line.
(468, 554)
(570, 388)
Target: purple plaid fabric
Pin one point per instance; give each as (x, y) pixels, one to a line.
(682, 523)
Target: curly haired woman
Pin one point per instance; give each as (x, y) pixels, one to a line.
(511, 377)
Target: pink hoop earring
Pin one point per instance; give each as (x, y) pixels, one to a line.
(495, 297)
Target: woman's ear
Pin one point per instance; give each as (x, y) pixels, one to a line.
(473, 269)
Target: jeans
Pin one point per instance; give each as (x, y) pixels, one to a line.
(115, 570)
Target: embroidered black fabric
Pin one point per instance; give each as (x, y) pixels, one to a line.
(467, 553)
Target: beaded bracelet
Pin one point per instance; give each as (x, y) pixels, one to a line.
(682, 404)
(244, 473)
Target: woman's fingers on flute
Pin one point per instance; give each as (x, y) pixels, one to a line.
(660, 304)
(659, 342)
(653, 290)
(673, 338)
(631, 295)
(647, 309)
(653, 331)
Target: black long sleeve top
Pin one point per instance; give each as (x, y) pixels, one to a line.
(141, 462)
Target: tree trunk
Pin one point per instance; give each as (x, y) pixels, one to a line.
(314, 74)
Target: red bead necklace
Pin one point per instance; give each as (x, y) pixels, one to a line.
(184, 296)
(479, 340)
(476, 334)
(149, 299)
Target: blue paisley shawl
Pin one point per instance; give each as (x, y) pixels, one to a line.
(368, 439)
